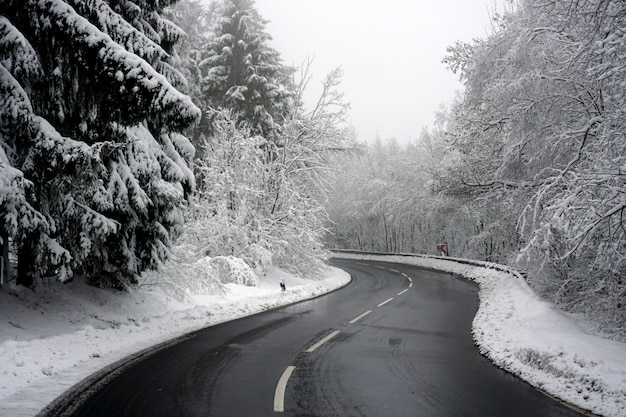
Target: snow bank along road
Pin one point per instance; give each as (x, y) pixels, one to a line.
(395, 342)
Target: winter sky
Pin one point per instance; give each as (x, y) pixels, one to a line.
(390, 51)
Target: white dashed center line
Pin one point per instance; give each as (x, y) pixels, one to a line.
(385, 302)
(279, 394)
(324, 340)
(354, 320)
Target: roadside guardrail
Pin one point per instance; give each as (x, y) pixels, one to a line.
(489, 265)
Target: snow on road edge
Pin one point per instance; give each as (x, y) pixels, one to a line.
(47, 345)
(532, 339)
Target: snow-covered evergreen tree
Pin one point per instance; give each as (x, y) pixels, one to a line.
(243, 73)
(196, 19)
(94, 168)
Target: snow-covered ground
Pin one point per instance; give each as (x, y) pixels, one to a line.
(53, 339)
(534, 340)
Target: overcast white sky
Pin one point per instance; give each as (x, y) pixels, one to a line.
(390, 51)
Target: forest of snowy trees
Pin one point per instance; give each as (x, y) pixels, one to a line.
(134, 131)
(132, 127)
(527, 168)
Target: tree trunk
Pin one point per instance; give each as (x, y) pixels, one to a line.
(27, 261)
(6, 265)
(386, 234)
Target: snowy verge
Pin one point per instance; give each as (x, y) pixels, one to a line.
(53, 339)
(532, 339)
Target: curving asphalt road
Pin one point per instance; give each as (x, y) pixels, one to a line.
(395, 342)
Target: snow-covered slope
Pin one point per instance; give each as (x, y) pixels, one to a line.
(53, 339)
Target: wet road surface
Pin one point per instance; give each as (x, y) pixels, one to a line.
(395, 342)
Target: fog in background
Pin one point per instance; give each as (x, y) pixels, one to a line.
(390, 51)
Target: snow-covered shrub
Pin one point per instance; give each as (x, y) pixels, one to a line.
(180, 280)
(187, 253)
(258, 257)
(231, 270)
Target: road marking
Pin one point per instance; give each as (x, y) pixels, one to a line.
(361, 263)
(279, 394)
(410, 285)
(403, 291)
(379, 267)
(393, 270)
(385, 302)
(405, 275)
(409, 278)
(324, 340)
(354, 320)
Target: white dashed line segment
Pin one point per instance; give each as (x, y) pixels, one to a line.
(354, 320)
(385, 302)
(324, 340)
(279, 394)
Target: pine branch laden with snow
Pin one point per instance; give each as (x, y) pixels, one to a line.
(95, 131)
(17, 215)
(195, 19)
(121, 32)
(16, 53)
